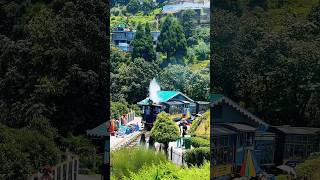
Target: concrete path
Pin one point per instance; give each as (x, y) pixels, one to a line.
(117, 141)
(89, 177)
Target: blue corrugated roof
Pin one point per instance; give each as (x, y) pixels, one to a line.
(164, 96)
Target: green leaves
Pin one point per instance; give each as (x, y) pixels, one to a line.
(164, 129)
(172, 40)
(143, 44)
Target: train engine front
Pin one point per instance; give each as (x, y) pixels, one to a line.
(150, 110)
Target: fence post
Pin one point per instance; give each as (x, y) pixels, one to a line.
(171, 152)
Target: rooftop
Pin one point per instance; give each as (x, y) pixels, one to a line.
(164, 96)
(217, 99)
(240, 127)
(218, 130)
(297, 130)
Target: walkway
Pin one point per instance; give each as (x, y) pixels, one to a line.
(118, 142)
(89, 177)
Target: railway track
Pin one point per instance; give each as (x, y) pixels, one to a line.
(136, 141)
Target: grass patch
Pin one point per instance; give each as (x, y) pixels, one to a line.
(169, 171)
(128, 160)
(201, 126)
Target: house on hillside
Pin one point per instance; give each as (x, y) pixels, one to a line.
(172, 102)
(176, 7)
(295, 143)
(244, 131)
(270, 145)
(122, 37)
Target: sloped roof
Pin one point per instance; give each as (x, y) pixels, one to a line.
(98, 131)
(298, 130)
(240, 127)
(165, 96)
(217, 99)
(219, 130)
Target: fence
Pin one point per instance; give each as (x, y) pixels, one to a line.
(68, 169)
(130, 116)
(176, 156)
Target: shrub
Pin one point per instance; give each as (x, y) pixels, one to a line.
(128, 160)
(310, 168)
(197, 156)
(200, 142)
(169, 170)
(201, 126)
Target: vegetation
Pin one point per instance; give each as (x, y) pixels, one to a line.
(197, 156)
(53, 78)
(201, 126)
(24, 151)
(164, 130)
(143, 44)
(267, 59)
(200, 142)
(167, 171)
(310, 168)
(172, 40)
(126, 160)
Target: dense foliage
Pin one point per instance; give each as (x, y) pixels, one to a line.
(143, 44)
(172, 40)
(201, 126)
(168, 171)
(126, 160)
(25, 151)
(197, 156)
(267, 59)
(53, 78)
(164, 130)
(200, 142)
(56, 68)
(309, 168)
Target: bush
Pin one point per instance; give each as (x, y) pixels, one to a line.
(197, 156)
(169, 170)
(128, 160)
(200, 142)
(201, 126)
(310, 168)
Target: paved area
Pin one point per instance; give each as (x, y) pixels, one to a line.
(116, 141)
(89, 177)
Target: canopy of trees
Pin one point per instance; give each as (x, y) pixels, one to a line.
(270, 68)
(53, 78)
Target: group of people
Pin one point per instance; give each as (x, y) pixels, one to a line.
(115, 123)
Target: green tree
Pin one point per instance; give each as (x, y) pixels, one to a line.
(69, 77)
(164, 130)
(227, 5)
(134, 6)
(195, 84)
(143, 44)
(172, 40)
(147, 6)
(188, 22)
(134, 79)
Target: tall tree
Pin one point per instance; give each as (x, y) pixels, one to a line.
(164, 130)
(172, 40)
(188, 22)
(143, 44)
(134, 6)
